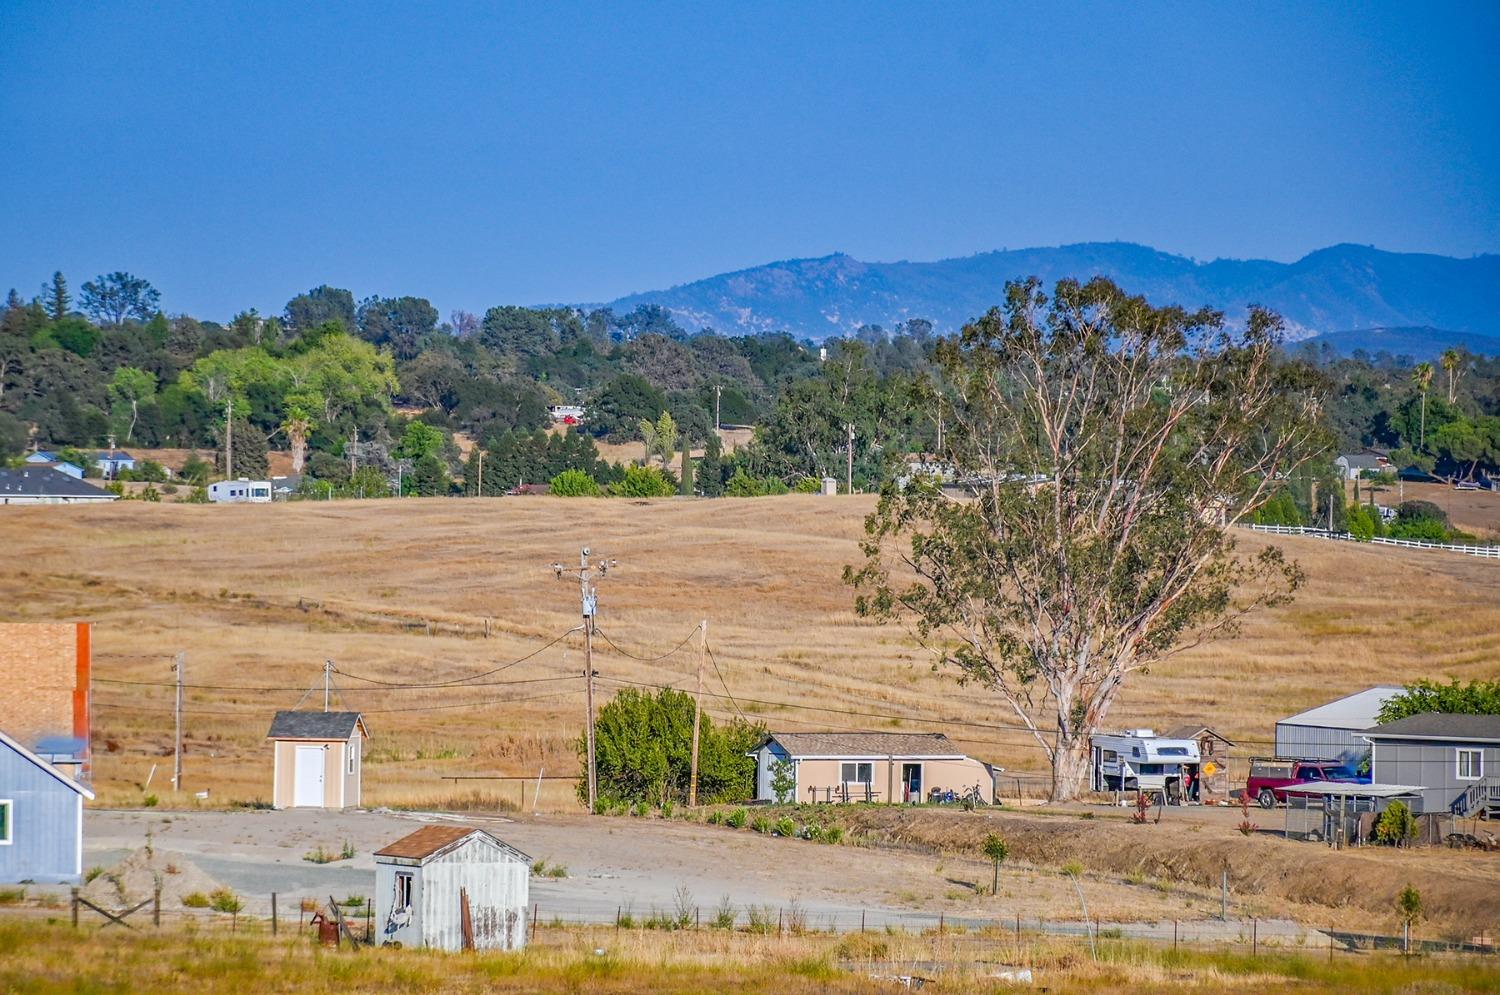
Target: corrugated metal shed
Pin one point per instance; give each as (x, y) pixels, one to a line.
(420, 881)
(1332, 731)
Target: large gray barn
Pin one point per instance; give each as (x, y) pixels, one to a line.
(1455, 758)
(1333, 731)
(41, 819)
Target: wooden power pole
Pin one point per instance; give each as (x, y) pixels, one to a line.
(589, 598)
(327, 685)
(849, 475)
(229, 437)
(697, 714)
(177, 734)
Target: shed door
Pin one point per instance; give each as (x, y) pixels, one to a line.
(308, 784)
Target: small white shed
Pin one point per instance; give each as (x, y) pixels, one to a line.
(317, 759)
(452, 888)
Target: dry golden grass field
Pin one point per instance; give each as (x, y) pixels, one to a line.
(259, 596)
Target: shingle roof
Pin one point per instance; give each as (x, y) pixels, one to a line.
(35, 480)
(866, 744)
(1440, 725)
(314, 725)
(430, 840)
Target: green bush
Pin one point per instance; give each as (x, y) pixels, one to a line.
(575, 483)
(809, 485)
(760, 824)
(195, 900)
(715, 817)
(833, 835)
(812, 831)
(785, 827)
(1396, 825)
(224, 900)
(643, 482)
(737, 819)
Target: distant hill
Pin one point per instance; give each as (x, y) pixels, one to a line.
(1418, 343)
(1342, 287)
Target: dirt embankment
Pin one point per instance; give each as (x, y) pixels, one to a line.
(1458, 887)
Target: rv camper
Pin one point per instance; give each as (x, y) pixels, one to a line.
(1138, 759)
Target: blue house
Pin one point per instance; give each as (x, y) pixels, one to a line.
(111, 461)
(43, 457)
(41, 819)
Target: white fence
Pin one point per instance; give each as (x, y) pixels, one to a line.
(1492, 552)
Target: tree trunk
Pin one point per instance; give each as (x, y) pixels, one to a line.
(299, 451)
(1070, 767)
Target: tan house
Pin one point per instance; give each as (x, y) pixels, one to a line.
(1212, 776)
(317, 759)
(902, 767)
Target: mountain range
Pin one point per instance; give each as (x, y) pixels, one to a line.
(1343, 291)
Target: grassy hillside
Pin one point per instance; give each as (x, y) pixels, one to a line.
(398, 591)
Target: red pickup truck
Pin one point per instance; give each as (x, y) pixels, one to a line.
(1271, 776)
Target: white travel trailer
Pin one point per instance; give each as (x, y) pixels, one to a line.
(240, 491)
(1138, 759)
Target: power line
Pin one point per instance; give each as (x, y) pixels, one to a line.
(256, 709)
(647, 659)
(463, 680)
(373, 690)
(724, 684)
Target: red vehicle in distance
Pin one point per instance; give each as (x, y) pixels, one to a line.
(1271, 776)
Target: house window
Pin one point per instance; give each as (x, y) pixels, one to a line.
(403, 891)
(858, 773)
(1470, 765)
(353, 754)
(6, 816)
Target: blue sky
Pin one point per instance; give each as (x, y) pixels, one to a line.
(238, 154)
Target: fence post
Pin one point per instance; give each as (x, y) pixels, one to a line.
(779, 912)
(861, 920)
(273, 913)
(75, 908)
(619, 910)
(1174, 936)
(1330, 944)
(156, 906)
(534, 910)
(1254, 936)
(1018, 934)
(940, 924)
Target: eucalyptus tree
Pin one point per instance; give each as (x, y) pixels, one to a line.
(1108, 445)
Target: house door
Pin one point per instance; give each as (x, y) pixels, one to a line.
(307, 784)
(911, 782)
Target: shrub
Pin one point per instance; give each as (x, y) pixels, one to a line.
(575, 483)
(353, 902)
(783, 780)
(150, 801)
(347, 852)
(640, 810)
(809, 485)
(715, 818)
(812, 831)
(737, 819)
(93, 872)
(723, 915)
(667, 808)
(1396, 825)
(224, 900)
(12, 896)
(760, 824)
(195, 900)
(1073, 869)
(833, 835)
(643, 482)
(785, 827)
(760, 919)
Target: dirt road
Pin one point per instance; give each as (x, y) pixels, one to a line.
(641, 866)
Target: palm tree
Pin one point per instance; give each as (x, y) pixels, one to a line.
(297, 428)
(1421, 376)
(1451, 361)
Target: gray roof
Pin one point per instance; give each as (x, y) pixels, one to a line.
(1352, 789)
(1354, 712)
(865, 744)
(315, 725)
(35, 480)
(1440, 725)
(1364, 461)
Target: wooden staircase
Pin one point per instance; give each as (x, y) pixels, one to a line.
(1480, 798)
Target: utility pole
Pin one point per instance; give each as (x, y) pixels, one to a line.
(327, 684)
(229, 437)
(589, 599)
(697, 714)
(479, 487)
(718, 389)
(177, 735)
(849, 474)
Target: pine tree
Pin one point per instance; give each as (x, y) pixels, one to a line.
(57, 297)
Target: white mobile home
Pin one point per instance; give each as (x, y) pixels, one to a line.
(452, 888)
(240, 491)
(1138, 759)
(894, 767)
